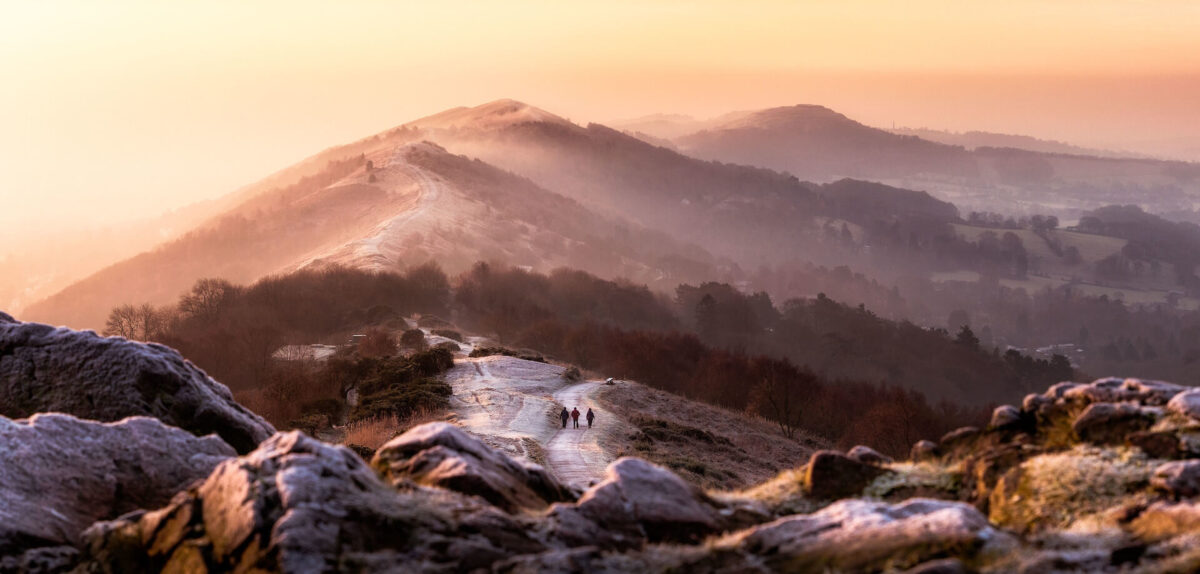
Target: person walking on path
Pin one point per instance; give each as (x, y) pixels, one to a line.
(575, 415)
(564, 416)
(591, 416)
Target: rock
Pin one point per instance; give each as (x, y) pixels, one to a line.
(860, 535)
(296, 504)
(959, 441)
(1108, 423)
(943, 566)
(1186, 403)
(637, 501)
(1005, 416)
(1157, 444)
(1117, 390)
(1180, 479)
(59, 474)
(868, 455)
(47, 369)
(44, 560)
(443, 455)
(923, 450)
(830, 474)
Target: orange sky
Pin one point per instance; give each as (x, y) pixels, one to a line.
(123, 109)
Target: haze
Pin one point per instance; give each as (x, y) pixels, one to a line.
(120, 111)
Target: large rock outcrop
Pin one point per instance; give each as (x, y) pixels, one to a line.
(59, 474)
(443, 455)
(299, 505)
(48, 369)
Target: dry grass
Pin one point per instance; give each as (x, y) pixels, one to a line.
(739, 450)
(375, 432)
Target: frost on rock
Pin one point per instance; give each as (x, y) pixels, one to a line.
(48, 369)
(59, 474)
(860, 535)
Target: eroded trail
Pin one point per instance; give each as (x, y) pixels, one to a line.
(514, 404)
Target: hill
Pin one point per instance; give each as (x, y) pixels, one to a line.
(1013, 175)
(394, 205)
(750, 214)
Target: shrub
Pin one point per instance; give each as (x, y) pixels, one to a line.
(403, 401)
(413, 339)
(448, 346)
(310, 424)
(523, 354)
(330, 408)
(377, 342)
(572, 374)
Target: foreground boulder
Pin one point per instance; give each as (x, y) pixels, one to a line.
(637, 502)
(299, 505)
(860, 535)
(443, 455)
(59, 474)
(48, 369)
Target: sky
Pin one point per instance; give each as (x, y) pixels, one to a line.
(121, 110)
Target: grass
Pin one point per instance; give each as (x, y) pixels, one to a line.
(709, 446)
(374, 432)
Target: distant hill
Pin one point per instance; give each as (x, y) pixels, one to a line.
(750, 214)
(977, 139)
(1015, 175)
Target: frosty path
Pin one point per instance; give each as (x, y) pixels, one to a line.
(574, 454)
(514, 404)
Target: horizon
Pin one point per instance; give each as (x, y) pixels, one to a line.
(123, 114)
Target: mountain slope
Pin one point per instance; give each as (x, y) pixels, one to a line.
(394, 206)
(750, 214)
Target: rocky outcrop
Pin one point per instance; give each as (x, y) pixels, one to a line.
(637, 502)
(298, 505)
(443, 455)
(59, 474)
(48, 369)
(858, 535)
(1085, 478)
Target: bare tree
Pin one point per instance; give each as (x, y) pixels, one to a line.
(773, 399)
(122, 322)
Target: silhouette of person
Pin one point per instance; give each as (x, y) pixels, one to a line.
(591, 416)
(575, 415)
(564, 416)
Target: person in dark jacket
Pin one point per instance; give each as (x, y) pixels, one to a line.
(564, 416)
(575, 415)
(591, 416)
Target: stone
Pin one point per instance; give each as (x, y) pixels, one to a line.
(1186, 403)
(1109, 423)
(1179, 479)
(943, 566)
(859, 535)
(48, 369)
(923, 450)
(443, 455)
(1157, 444)
(959, 441)
(637, 500)
(59, 474)
(868, 455)
(830, 474)
(1117, 390)
(1004, 417)
(296, 504)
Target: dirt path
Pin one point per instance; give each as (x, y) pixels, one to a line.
(574, 454)
(513, 404)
